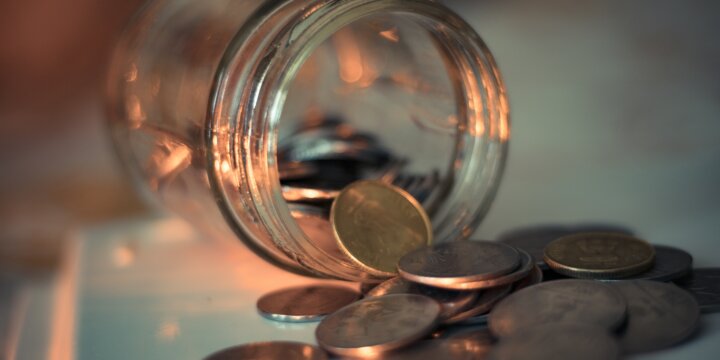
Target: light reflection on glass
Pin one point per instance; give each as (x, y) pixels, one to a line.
(168, 330)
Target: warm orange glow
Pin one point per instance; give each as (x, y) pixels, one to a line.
(168, 330)
(349, 56)
(391, 34)
(131, 75)
(135, 112)
(123, 255)
(354, 68)
(62, 338)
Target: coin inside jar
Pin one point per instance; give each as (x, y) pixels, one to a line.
(659, 315)
(304, 303)
(448, 264)
(286, 350)
(599, 255)
(375, 224)
(377, 325)
(561, 301)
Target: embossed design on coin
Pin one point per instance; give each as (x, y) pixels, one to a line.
(533, 239)
(445, 265)
(372, 326)
(451, 301)
(599, 255)
(558, 341)
(286, 350)
(375, 224)
(561, 301)
(670, 264)
(659, 315)
(704, 285)
(304, 303)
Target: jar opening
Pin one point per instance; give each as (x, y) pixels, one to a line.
(401, 91)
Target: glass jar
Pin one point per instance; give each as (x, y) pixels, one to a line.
(201, 94)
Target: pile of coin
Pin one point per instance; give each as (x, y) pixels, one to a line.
(481, 300)
(588, 291)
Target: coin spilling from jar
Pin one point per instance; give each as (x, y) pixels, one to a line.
(588, 291)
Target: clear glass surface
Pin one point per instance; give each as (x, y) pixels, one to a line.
(204, 97)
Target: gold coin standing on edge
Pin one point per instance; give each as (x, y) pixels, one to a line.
(599, 255)
(375, 224)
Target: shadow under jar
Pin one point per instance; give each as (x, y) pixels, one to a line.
(202, 94)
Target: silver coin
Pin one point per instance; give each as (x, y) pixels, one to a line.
(447, 264)
(533, 239)
(451, 301)
(670, 264)
(487, 299)
(373, 326)
(286, 350)
(527, 263)
(304, 303)
(659, 315)
(561, 301)
(704, 285)
(558, 341)
(456, 349)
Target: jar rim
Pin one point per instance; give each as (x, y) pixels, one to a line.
(247, 100)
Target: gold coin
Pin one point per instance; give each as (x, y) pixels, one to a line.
(599, 255)
(375, 224)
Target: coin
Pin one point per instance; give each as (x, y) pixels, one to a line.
(479, 335)
(533, 239)
(456, 349)
(535, 277)
(599, 255)
(558, 341)
(487, 299)
(286, 350)
(449, 265)
(670, 264)
(659, 315)
(704, 284)
(451, 301)
(561, 301)
(304, 303)
(527, 263)
(376, 224)
(376, 325)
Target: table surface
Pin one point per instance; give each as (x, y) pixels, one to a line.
(155, 289)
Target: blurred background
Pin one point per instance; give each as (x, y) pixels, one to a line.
(615, 108)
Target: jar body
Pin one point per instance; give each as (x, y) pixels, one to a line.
(202, 94)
